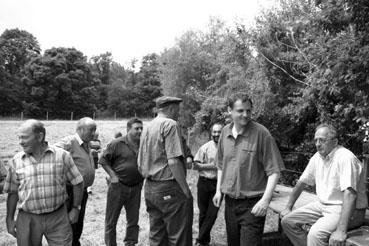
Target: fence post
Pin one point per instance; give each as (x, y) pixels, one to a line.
(93, 116)
(47, 116)
(22, 115)
(115, 115)
(71, 115)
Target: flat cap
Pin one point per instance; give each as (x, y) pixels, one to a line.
(165, 100)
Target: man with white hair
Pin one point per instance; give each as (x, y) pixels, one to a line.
(339, 179)
(78, 146)
(36, 180)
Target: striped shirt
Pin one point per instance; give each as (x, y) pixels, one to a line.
(41, 184)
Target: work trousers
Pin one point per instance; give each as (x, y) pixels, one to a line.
(170, 214)
(77, 227)
(120, 195)
(322, 221)
(206, 189)
(243, 228)
(54, 226)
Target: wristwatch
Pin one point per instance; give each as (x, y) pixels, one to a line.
(77, 207)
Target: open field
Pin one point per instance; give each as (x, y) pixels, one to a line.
(93, 233)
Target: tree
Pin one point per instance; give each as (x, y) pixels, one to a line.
(17, 47)
(60, 82)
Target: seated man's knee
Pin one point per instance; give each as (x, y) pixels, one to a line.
(286, 222)
(317, 235)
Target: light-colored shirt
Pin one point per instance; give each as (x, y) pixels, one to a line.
(160, 140)
(247, 160)
(206, 155)
(334, 174)
(81, 155)
(41, 185)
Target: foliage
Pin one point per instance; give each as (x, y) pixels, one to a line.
(60, 81)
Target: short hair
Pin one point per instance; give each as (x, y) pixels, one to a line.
(132, 121)
(37, 127)
(84, 122)
(238, 96)
(332, 131)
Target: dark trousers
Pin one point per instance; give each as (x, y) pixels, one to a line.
(120, 195)
(243, 228)
(206, 189)
(54, 226)
(77, 227)
(170, 214)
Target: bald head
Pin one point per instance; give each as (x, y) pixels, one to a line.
(31, 135)
(86, 128)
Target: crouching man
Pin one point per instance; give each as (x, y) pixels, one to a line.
(339, 179)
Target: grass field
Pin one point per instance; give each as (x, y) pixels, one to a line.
(93, 233)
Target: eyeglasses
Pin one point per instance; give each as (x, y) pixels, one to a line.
(322, 140)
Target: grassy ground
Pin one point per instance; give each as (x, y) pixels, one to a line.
(93, 233)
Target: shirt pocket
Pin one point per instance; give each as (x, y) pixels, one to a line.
(247, 155)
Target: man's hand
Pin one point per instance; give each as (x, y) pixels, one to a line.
(338, 238)
(10, 226)
(73, 215)
(217, 199)
(260, 208)
(285, 212)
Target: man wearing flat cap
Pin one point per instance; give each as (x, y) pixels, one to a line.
(161, 161)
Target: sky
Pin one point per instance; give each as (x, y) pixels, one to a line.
(127, 29)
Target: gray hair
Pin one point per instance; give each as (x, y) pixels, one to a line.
(332, 131)
(85, 121)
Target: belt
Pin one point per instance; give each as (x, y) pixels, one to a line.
(60, 207)
(202, 177)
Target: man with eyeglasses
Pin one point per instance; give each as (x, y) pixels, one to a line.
(339, 179)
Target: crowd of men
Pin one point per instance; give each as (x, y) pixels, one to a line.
(241, 165)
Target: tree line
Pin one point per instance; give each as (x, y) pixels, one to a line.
(302, 62)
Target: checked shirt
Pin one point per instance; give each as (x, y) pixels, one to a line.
(41, 185)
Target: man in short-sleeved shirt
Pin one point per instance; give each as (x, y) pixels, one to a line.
(204, 162)
(119, 160)
(36, 180)
(78, 147)
(249, 164)
(339, 179)
(161, 162)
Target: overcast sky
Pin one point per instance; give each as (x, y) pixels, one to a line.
(128, 29)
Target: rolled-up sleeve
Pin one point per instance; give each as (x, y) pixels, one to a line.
(271, 159)
(220, 152)
(72, 173)
(11, 183)
(106, 157)
(350, 171)
(308, 176)
(173, 141)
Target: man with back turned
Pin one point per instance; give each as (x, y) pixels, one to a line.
(161, 161)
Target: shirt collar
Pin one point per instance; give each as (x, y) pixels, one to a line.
(78, 138)
(331, 154)
(245, 131)
(48, 149)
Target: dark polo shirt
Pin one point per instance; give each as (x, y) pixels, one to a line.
(247, 161)
(121, 156)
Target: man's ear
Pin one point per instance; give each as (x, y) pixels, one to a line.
(40, 137)
(229, 109)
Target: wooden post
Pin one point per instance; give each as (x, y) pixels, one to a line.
(47, 116)
(22, 115)
(71, 115)
(93, 117)
(115, 115)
